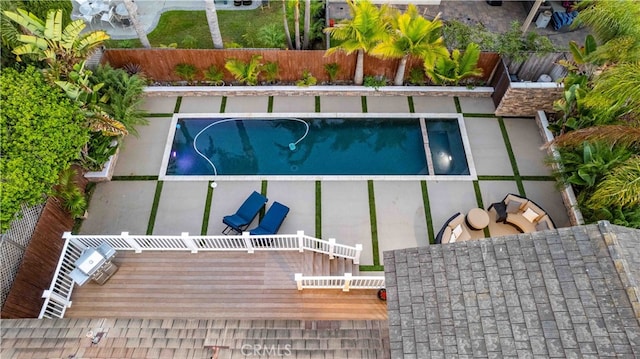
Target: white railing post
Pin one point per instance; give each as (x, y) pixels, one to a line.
(300, 241)
(332, 247)
(356, 260)
(130, 241)
(72, 238)
(247, 242)
(56, 298)
(347, 282)
(190, 243)
(298, 279)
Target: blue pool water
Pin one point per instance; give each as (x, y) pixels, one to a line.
(447, 149)
(284, 147)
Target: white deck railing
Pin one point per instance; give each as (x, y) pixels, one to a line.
(345, 282)
(184, 242)
(57, 297)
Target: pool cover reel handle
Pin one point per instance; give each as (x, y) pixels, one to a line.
(292, 146)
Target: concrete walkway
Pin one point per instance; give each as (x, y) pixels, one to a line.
(381, 215)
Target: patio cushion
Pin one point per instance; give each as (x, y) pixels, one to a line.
(531, 215)
(457, 231)
(542, 226)
(514, 206)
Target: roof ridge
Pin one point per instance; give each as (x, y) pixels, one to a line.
(621, 265)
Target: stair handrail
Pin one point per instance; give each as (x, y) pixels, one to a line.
(345, 282)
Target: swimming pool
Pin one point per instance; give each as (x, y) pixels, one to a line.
(313, 145)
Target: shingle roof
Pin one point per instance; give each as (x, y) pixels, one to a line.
(562, 293)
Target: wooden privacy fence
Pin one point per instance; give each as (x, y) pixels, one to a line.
(159, 64)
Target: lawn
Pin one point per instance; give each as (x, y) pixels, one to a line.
(175, 26)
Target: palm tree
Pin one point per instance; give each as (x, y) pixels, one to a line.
(296, 22)
(214, 27)
(412, 34)
(307, 23)
(286, 24)
(61, 48)
(361, 33)
(132, 9)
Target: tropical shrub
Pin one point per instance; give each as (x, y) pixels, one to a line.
(307, 79)
(97, 151)
(42, 131)
(189, 42)
(122, 94)
(332, 70)
(214, 75)
(73, 200)
(244, 72)
(375, 81)
(271, 70)
(416, 76)
(186, 71)
(453, 70)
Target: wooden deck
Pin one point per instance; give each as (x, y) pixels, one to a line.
(217, 286)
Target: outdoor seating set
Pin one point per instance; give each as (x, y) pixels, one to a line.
(269, 224)
(519, 212)
(106, 11)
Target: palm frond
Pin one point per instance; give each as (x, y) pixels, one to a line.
(620, 187)
(611, 134)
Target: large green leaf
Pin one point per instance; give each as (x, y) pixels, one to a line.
(27, 20)
(53, 26)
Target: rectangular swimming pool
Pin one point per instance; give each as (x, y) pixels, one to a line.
(258, 145)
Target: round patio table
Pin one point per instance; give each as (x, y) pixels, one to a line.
(477, 218)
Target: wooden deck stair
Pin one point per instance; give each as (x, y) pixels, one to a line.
(181, 338)
(318, 264)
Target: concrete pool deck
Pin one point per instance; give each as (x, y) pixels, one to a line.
(379, 214)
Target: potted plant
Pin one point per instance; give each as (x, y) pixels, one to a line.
(382, 294)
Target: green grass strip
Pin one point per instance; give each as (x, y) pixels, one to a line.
(154, 208)
(263, 190)
(207, 210)
(496, 178)
(512, 157)
(134, 178)
(318, 209)
(538, 178)
(476, 189)
(484, 115)
(412, 107)
(363, 99)
(317, 103)
(374, 223)
(156, 115)
(427, 212)
(374, 268)
(456, 100)
(270, 105)
(223, 104)
(176, 109)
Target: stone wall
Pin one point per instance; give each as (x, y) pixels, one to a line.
(526, 99)
(317, 91)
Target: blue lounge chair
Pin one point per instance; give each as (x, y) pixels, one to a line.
(246, 213)
(272, 220)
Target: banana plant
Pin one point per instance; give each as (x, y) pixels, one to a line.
(452, 70)
(61, 48)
